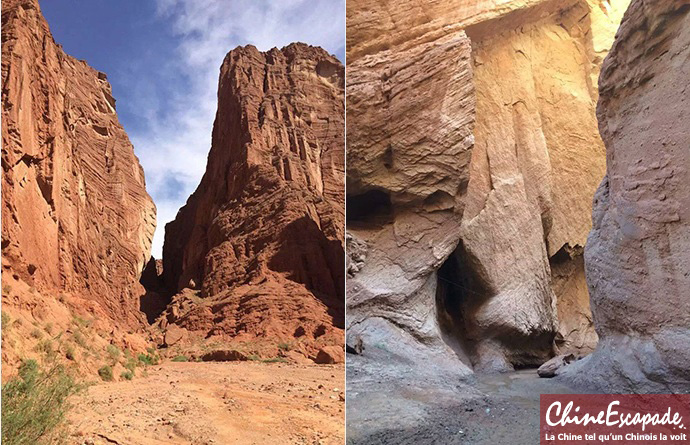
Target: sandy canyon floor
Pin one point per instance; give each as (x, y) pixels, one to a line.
(489, 409)
(215, 403)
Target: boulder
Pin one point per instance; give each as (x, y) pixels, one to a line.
(553, 366)
(297, 357)
(174, 335)
(329, 355)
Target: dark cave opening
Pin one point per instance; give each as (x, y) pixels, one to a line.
(459, 289)
(461, 292)
(369, 209)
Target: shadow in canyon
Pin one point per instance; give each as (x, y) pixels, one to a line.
(308, 257)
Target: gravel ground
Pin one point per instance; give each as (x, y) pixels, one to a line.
(383, 408)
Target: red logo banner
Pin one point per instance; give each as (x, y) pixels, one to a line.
(615, 418)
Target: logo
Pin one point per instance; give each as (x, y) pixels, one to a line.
(615, 418)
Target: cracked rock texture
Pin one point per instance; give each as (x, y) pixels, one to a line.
(258, 249)
(76, 217)
(473, 154)
(638, 254)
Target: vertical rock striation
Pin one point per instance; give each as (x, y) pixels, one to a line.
(75, 213)
(473, 153)
(638, 253)
(536, 162)
(261, 238)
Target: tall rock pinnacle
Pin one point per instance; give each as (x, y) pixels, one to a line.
(262, 236)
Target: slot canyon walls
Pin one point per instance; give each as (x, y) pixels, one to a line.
(257, 252)
(473, 143)
(77, 222)
(638, 253)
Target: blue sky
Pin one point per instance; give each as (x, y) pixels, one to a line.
(162, 58)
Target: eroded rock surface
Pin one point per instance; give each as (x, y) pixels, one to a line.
(638, 254)
(403, 179)
(473, 153)
(76, 217)
(259, 247)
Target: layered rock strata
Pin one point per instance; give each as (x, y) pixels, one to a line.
(473, 153)
(638, 253)
(258, 249)
(76, 217)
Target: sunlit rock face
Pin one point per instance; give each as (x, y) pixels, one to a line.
(261, 240)
(638, 253)
(473, 156)
(76, 217)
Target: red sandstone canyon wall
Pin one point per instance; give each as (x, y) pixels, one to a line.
(260, 242)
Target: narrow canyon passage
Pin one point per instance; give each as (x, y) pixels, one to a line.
(476, 275)
(537, 161)
(466, 248)
(460, 289)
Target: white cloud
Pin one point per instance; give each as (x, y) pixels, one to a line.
(174, 146)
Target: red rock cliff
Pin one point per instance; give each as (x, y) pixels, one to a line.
(262, 236)
(76, 217)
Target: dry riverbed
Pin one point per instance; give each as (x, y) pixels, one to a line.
(395, 407)
(215, 403)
